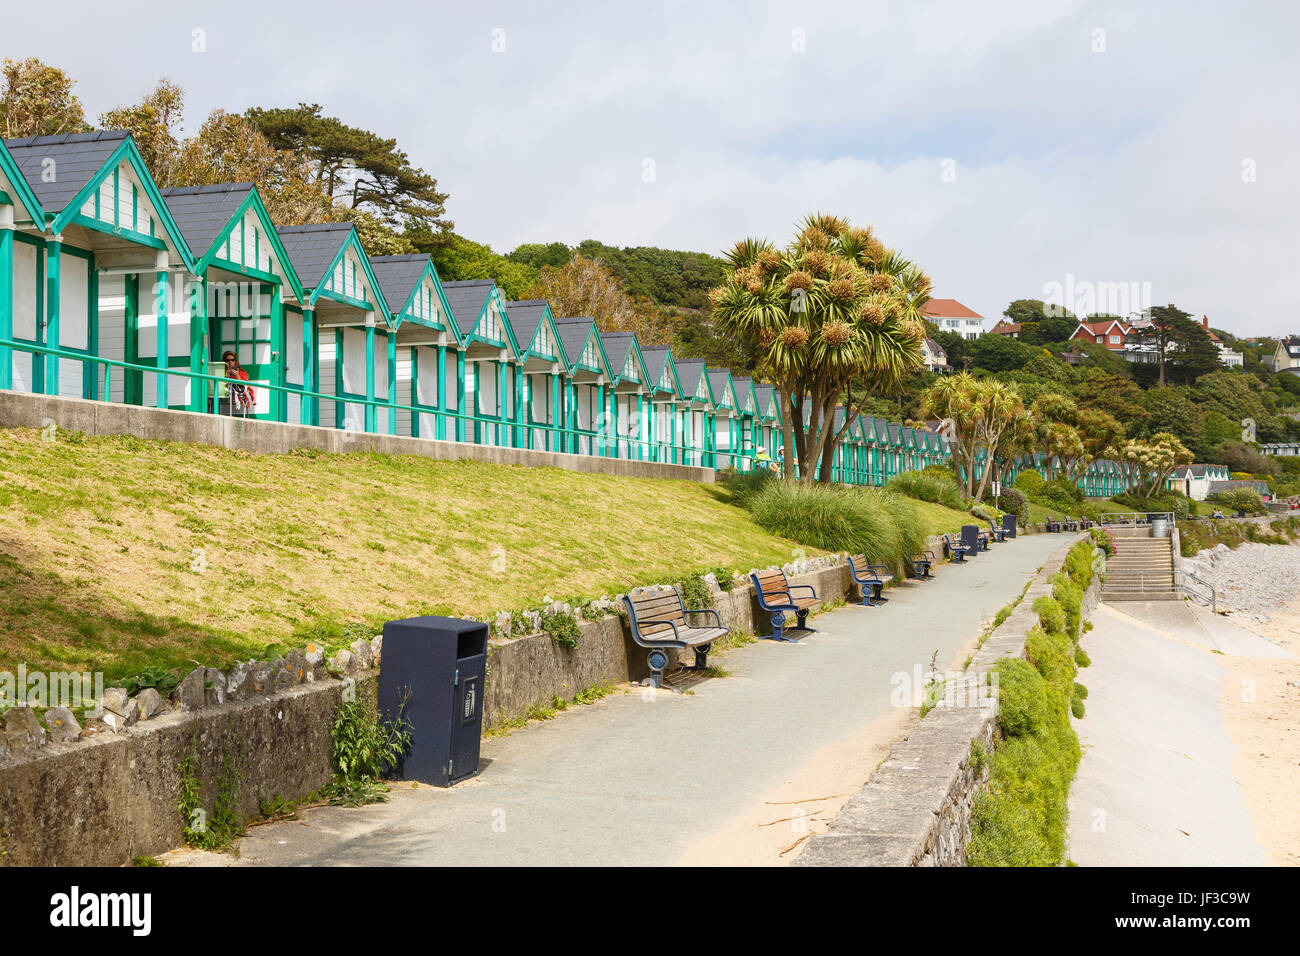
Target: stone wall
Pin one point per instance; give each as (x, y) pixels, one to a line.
(915, 808)
(99, 795)
(20, 409)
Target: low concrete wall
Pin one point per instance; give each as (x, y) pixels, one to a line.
(915, 809)
(527, 671)
(104, 799)
(21, 409)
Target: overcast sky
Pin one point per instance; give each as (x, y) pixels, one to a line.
(1004, 146)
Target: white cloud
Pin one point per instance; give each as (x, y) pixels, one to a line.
(1122, 165)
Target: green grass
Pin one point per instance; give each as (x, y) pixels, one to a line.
(120, 554)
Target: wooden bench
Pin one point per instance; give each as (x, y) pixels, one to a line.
(658, 620)
(956, 549)
(777, 596)
(870, 579)
(922, 561)
(999, 534)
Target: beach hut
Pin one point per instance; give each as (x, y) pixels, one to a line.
(422, 331)
(346, 324)
(247, 298)
(666, 401)
(544, 368)
(95, 274)
(586, 407)
(486, 361)
(696, 431)
(627, 397)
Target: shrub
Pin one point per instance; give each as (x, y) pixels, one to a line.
(1070, 597)
(744, 486)
(1050, 615)
(1030, 482)
(1013, 500)
(1052, 654)
(1081, 657)
(870, 521)
(942, 472)
(1180, 505)
(1022, 704)
(1242, 499)
(928, 487)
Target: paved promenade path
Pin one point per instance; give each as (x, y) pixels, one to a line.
(1155, 786)
(681, 778)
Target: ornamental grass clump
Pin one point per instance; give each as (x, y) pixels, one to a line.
(869, 521)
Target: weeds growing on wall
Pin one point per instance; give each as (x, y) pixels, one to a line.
(695, 593)
(1020, 820)
(562, 627)
(217, 829)
(366, 746)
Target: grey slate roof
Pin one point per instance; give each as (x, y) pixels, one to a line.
(573, 335)
(617, 346)
(689, 371)
(398, 276)
(763, 397)
(312, 249)
(656, 357)
(524, 316)
(719, 382)
(203, 212)
(77, 157)
(466, 298)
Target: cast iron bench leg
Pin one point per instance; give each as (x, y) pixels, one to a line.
(657, 660)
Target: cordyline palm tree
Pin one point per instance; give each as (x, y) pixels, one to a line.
(827, 323)
(977, 414)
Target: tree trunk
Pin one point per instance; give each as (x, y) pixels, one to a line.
(787, 435)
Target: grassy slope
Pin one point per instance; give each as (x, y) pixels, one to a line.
(119, 553)
(99, 539)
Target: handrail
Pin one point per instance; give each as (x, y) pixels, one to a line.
(1185, 576)
(1131, 517)
(601, 434)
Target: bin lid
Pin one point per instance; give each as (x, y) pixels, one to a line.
(463, 637)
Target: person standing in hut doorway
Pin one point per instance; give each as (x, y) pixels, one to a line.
(241, 396)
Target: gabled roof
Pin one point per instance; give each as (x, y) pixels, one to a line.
(622, 347)
(469, 300)
(718, 385)
(80, 161)
(1102, 327)
(766, 397)
(1005, 328)
(691, 372)
(746, 397)
(205, 215)
(400, 278)
(17, 181)
(658, 360)
(77, 157)
(948, 309)
(526, 318)
(575, 334)
(315, 249)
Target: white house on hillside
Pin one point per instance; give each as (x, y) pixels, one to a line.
(951, 316)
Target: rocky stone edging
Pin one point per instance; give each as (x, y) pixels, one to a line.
(915, 809)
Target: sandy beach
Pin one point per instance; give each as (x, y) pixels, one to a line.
(1261, 709)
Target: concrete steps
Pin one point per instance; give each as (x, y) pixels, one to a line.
(1142, 569)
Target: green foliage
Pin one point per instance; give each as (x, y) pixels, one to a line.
(460, 258)
(1020, 820)
(870, 521)
(1052, 654)
(159, 678)
(695, 593)
(1078, 564)
(726, 580)
(200, 829)
(1180, 505)
(1030, 482)
(1081, 657)
(1050, 614)
(979, 757)
(365, 747)
(1016, 502)
(1242, 499)
(1103, 540)
(929, 487)
(1070, 597)
(743, 486)
(144, 861)
(562, 627)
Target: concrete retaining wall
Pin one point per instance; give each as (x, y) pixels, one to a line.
(104, 799)
(20, 409)
(107, 797)
(915, 809)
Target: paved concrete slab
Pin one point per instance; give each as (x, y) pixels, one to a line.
(1201, 627)
(1155, 786)
(637, 780)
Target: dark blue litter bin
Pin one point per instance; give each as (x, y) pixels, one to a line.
(1009, 524)
(441, 663)
(970, 539)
